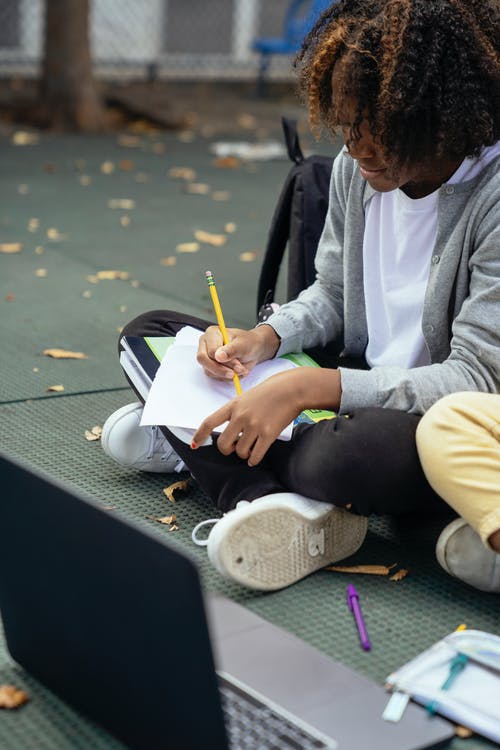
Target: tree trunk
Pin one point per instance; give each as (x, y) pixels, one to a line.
(68, 90)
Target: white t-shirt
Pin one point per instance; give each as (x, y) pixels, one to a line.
(399, 238)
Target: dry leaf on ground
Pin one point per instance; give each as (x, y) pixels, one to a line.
(197, 188)
(111, 275)
(55, 235)
(230, 227)
(182, 173)
(374, 570)
(55, 388)
(170, 260)
(11, 247)
(399, 575)
(167, 520)
(107, 167)
(63, 354)
(210, 239)
(93, 434)
(248, 257)
(126, 165)
(227, 162)
(41, 273)
(12, 697)
(221, 195)
(169, 491)
(188, 247)
(125, 204)
(23, 138)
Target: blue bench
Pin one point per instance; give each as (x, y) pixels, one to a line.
(299, 19)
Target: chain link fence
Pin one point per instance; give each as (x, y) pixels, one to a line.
(170, 39)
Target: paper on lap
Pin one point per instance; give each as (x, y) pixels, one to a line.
(182, 395)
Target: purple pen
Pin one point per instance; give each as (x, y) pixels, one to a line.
(353, 603)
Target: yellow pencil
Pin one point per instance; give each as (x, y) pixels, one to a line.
(220, 321)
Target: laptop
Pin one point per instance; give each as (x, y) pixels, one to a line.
(114, 621)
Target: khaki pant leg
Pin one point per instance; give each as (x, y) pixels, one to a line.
(458, 442)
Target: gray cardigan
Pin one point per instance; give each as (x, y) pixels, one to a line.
(461, 314)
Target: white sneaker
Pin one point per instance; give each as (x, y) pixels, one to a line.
(136, 447)
(278, 539)
(460, 551)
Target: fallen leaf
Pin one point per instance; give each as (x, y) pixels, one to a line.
(182, 173)
(169, 491)
(126, 165)
(125, 221)
(11, 247)
(55, 235)
(374, 570)
(107, 167)
(197, 188)
(174, 527)
(12, 697)
(248, 257)
(39, 250)
(210, 239)
(247, 121)
(221, 195)
(23, 138)
(63, 354)
(33, 225)
(87, 294)
(399, 575)
(230, 227)
(55, 388)
(167, 520)
(125, 204)
(93, 434)
(110, 275)
(85, 180)
(188, 247)
(227, 162)
(170, 260)
(41, 273)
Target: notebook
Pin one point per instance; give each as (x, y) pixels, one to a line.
(113, 619)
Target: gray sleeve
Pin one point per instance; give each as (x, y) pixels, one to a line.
(316, 316)
(474, 360)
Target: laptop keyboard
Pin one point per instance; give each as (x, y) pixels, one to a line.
(253, 725)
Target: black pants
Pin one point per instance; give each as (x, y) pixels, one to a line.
(366, 461)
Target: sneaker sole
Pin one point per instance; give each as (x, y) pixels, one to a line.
(274, 547)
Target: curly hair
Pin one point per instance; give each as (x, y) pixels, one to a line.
(424, 73)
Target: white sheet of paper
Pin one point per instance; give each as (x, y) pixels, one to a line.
(182, 395)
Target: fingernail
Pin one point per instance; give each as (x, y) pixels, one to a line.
(193, 445)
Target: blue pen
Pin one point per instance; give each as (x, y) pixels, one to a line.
(353, 603)
(457, 665)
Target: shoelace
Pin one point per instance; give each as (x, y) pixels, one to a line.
(212, 522)
(157, 442)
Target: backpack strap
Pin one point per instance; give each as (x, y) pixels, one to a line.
(292, 140)
(280, 223)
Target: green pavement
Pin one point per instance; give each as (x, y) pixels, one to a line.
(80, 206)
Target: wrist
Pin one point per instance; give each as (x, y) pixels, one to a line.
(317, 388)
(269, 341)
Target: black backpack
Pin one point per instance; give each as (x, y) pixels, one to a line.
(298, 220)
